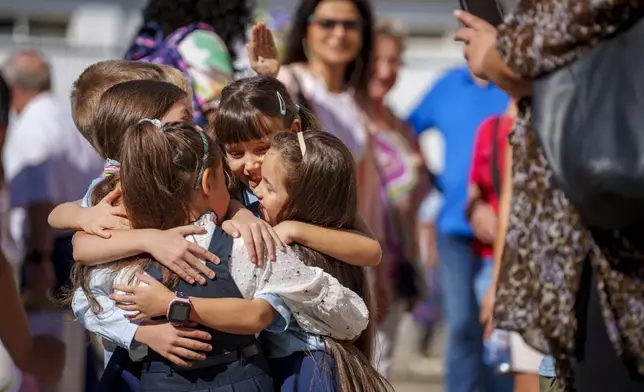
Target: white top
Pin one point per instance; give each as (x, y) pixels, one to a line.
(338, 112)
(45, 160)
(318, 302)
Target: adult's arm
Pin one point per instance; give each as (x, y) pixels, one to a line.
(540, 36)
(43, 357)
(504, 214)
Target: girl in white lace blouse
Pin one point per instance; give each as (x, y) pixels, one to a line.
(173, 174)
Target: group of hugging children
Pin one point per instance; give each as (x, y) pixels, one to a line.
(292, 318)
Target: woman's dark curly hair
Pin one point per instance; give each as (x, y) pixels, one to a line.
(357, 74)
(229, 18)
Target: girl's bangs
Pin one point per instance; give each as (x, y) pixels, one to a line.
(242, 126)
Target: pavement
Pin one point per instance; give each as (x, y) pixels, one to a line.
(412, 372)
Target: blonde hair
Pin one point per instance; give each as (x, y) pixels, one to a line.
(97, 78)
(393, 29)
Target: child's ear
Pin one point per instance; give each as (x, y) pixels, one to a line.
(296, 125)
(205, 180)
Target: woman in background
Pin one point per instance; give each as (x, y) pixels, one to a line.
(326, 65)
(403, 173)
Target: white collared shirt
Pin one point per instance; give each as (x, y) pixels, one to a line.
(45, 159)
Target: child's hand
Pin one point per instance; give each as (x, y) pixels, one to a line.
(262, 51)
(148, 301)
(104, 216)
(174, 343)
(256, 234)
(286, 230)
(172, 250)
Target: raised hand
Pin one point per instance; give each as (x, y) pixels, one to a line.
(262, 51)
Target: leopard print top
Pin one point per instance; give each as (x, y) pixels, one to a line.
(546, 244)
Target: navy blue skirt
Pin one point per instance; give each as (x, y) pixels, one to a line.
(251, 376)
(304, 372)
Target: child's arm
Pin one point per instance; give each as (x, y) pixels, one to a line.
(168, 247)
(93, 220)
(65, 216)
(355, 247)
(111, 322)
(230, 315)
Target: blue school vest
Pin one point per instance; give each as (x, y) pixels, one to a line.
(238, 366)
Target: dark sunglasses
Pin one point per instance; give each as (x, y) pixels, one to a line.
(330, 24)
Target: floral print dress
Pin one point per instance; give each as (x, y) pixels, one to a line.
(546, 244)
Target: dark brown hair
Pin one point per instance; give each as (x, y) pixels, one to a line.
(161, 168)
(246, 107)
(329, 166)
(245, 110)
(97, 78)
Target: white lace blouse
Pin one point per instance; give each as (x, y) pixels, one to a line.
(317, 300)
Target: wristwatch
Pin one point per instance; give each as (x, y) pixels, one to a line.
(179, 309)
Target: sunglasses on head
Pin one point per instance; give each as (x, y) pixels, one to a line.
(330, 24)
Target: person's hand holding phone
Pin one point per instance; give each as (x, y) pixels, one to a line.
(479, 38)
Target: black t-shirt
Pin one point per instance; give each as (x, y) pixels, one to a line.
(5, 97)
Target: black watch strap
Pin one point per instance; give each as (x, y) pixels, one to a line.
(182, 295)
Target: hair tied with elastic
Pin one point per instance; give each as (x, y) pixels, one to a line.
(280, 99)
(300, 139)
(111, 167)
(154, 121)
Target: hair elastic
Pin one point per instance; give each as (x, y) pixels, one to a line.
(204, 161)
(300, 139)
(280, 99)
(111, 167)
(153, 121)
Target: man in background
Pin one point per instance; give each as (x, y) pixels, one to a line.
(454, 107)
(46, 162)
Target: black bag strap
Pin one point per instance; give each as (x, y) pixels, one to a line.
(496, 175)
(299, 96)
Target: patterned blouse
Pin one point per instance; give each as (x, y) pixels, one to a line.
(546, 244)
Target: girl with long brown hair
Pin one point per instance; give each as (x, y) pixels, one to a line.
(311, 177)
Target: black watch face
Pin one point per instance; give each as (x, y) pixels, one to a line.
(179, 312)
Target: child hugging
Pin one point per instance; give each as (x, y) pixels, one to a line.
(311, 177)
